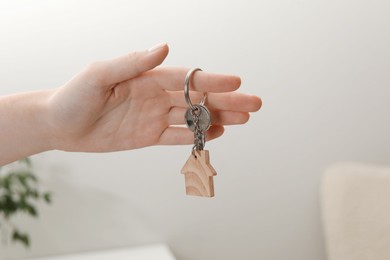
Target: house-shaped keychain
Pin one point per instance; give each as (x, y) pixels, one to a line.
(199, 174)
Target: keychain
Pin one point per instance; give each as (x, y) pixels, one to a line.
(197, 170)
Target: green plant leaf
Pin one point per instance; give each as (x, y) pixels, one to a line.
(47, 196)
(31, 210)
(33, 193)
(21, 237)
(19, 190)
(8, 205)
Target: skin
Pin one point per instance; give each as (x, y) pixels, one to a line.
(120, 104)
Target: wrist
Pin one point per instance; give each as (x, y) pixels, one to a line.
(24, 124)
(40, 118)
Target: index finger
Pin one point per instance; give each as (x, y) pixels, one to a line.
(171, 78)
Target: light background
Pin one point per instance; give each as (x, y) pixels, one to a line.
(321, 68)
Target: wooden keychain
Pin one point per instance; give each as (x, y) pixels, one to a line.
(197, 170)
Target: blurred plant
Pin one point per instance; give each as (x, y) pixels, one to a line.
(18, 191)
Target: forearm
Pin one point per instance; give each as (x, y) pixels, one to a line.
(23, 125)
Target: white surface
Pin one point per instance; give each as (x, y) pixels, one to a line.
(154, 252)
(321, 67)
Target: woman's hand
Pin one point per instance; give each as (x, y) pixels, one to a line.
(127, 103)
(119, 104)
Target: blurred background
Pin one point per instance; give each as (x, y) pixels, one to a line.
(321, 68)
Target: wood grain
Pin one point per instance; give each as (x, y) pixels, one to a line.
(199, 174)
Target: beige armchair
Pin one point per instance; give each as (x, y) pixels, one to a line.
(356, 212)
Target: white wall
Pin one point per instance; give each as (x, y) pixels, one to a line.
(321, 68)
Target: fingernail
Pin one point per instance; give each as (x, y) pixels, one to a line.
(157, 47)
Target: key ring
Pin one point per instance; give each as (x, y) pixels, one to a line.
(186, 90)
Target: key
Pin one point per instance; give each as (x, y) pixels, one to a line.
(203, 114)
(200, 122)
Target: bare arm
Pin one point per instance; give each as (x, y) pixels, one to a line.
(23, 126)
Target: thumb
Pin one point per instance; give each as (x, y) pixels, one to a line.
(127, 66)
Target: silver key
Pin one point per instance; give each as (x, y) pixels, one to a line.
(203, 114)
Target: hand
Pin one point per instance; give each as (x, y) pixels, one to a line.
(127, 103)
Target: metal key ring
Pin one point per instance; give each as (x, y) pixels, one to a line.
(187, 87)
